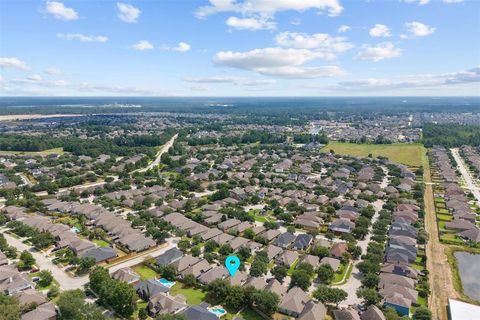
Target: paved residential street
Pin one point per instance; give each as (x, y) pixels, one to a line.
(171, 242)
(354, 282)
(65, 281)
(462, 166)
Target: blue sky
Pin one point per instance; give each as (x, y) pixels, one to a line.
(240, 47)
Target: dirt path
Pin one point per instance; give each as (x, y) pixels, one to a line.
(440, 275)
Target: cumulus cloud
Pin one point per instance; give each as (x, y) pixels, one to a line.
(344, 28)
(14, 63)
(180, 47)
(53, 71)
(127, 12)
(59, 11)
(82, 38)
(143, 45)
(322, 41)
(419, 29)
(278, 62)
(380, 30)
(252, 24)
(382, 51)
(269, 7)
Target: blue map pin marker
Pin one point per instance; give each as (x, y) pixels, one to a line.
(232, 263)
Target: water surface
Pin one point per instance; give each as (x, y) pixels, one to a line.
(469, 267)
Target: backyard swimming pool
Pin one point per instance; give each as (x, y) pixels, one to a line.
(167, 283)
(218, 311)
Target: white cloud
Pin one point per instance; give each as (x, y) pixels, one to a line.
(420, 2)
(59, 11)
(252, 24)
(344, 28)
(127, 12)
(143, 45)
(181, 47)
(269, 7)
(380, 30)
(303, 72)
(296, 21)
(53, 71)
(382, 51)
(419, 29)
(199, 88)
(414, 81)
(278, 62)
(82, 38)
(470, 75)
(35, 77)
(13, 63)
(452, 1)
(321, 41)
(230, 79)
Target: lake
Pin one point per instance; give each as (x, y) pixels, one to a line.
(469, 268)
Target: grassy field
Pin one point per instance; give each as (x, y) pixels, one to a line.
(409, 154)
(38, 153)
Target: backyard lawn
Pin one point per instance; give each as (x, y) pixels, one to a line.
(194, 296)
(145, 272)
(101, 243)
(409, 154)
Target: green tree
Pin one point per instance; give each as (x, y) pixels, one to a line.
(72, 306)
(218, 289)
(370, 280)
(9, 307)
(168, 272)
(26, 260)
(99, 277)
(266, 301)
(320, 252)
(235, 298)
(325, 273)
(422, 313)
(189, 280)
(86, 263)
(45, 278)
(330, 295)
(300, 278)
(279, 272)
(184, 245)
(369, 296)
(122, 297)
